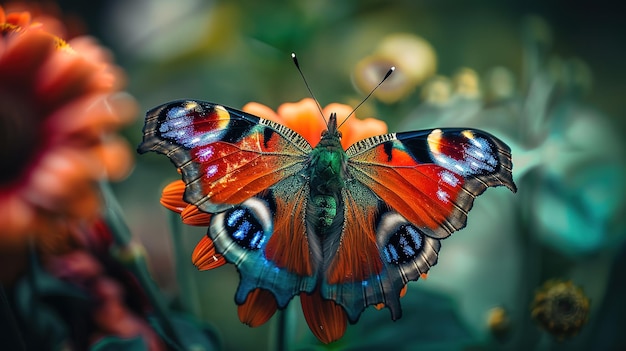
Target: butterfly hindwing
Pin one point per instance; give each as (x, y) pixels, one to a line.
(380, 252)
(258, 236)
(225, 155)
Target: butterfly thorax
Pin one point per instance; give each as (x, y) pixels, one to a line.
(327, 164)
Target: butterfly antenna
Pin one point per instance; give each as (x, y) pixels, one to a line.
(393, 68)
(295, 61)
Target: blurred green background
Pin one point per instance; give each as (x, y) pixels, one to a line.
(563, 115)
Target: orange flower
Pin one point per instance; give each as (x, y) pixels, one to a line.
(259, 307)
(326, 319)
(60, 104)
(304, 117)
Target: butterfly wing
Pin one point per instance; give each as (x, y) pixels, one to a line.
(380, 252)
(432, 177)
(265, 238)
(247, 170)
(405, 193)
(225, 156)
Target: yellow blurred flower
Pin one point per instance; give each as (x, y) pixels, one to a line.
(437, 90)
(500, 84)
(415, 61)
(467, 83)
(60, 105)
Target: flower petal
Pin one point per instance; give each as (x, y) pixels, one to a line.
(342, 111)
(115, 158)
(193, 216)
(326, 319)
(21, 19)
(205, 257)
(304, 118)
(259, 307)
(65, 76)
(262, 111)
(61, 178)
(24, 55)
(68, 144)
(92, 116)
(358, 129)
(16, 216)
(172, 196)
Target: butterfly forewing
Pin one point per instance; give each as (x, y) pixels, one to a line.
(225, 155)
(431, 177)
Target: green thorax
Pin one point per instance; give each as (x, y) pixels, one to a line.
(327, 162)
(327, 169)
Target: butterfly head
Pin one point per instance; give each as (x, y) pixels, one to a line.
(332, 131)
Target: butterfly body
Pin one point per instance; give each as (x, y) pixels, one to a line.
(326, 171)
(353, 225)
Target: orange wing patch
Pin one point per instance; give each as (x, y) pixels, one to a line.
(415, 192)
(288, 247)
(231, 173)
(358, 256)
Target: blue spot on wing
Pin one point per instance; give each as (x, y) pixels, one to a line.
(235, 216)
(242, 231)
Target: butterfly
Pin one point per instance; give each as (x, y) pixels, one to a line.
(355, 225)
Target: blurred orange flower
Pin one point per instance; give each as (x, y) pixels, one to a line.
(326, 319)
(304, 117)
(60, 105)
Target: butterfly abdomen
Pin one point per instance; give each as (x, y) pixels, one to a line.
(324, 210)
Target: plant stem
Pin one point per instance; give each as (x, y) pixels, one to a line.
(188, 294)
(281, 331)
(132, 255)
